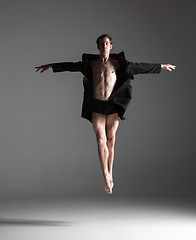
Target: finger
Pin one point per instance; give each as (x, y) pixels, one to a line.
(174, 67)
(38, 69)
(43, 70)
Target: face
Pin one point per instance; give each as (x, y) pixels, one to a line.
(104, 46)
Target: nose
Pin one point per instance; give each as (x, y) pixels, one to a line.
(104, 45)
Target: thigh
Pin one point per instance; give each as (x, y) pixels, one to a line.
(112, 123)
(99, 124)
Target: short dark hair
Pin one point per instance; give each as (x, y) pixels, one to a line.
(104, 36)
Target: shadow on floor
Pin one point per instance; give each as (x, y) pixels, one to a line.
(27, 222)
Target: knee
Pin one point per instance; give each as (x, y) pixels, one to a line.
(101, 141)
(111, 141)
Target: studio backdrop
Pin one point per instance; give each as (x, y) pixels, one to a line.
(46, 148)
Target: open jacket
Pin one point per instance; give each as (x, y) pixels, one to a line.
(121, 94)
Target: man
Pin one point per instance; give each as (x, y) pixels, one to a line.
(107, 93)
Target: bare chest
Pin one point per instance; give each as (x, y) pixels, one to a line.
(104, 72)
(103, 78)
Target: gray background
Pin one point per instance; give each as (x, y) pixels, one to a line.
(46, 148)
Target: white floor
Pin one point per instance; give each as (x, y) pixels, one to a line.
(92, 218)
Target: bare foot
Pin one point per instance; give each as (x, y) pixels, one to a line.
(108, 183)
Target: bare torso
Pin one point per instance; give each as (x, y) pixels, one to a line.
(104, 77)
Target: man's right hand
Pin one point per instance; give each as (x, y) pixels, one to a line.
(43, 68)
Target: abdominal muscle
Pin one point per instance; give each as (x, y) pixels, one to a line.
(104, 78)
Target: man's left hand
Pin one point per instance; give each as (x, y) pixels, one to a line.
(168, 67)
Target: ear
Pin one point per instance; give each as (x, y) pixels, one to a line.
(110, 46)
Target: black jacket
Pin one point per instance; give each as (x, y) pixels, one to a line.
(121, 94)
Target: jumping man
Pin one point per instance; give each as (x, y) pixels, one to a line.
(107, 94)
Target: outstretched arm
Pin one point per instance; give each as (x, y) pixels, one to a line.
(168, 67)
(62, 66)
(143, 68)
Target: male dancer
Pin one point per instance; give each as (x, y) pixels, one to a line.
(107, 93)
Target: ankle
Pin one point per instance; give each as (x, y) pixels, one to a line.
(106, 175)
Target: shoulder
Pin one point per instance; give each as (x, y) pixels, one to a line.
(120, 55)
(89, 57)
(94, 62)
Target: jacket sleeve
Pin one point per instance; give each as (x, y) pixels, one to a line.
(142, 68)
(67, 66)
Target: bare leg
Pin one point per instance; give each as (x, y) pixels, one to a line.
(105, 128)
(112, 123)
(99, 126)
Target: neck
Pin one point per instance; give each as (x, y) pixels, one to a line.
(104, 58)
